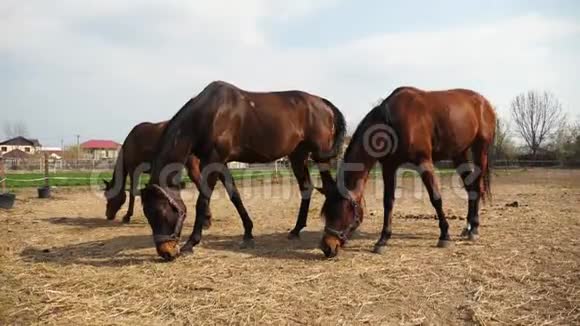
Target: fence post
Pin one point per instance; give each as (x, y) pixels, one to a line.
(46, 170)
(2, 175)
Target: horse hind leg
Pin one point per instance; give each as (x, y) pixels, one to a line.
(132, 190)
(299, 164)
(470, 178)
(324, 167)
(479, 190)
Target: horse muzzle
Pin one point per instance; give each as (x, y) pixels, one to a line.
(168, 250)
(330, 246)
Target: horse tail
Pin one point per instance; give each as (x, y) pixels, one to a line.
(118, 179)
(339, 129)
(487, 178)
(490, 158)
(489, 154)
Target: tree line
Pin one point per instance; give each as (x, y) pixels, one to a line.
(543, 128)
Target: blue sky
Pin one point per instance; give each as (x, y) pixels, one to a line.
(97, 68)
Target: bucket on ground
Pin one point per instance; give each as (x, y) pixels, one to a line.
(7, 200)
(44, 192)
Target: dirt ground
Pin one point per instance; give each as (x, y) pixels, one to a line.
(61, 262)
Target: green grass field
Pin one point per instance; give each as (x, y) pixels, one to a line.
(88, 178)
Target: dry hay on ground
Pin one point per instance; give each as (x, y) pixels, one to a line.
(62, 263)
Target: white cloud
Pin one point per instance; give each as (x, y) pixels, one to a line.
(119, 62)
(499, 59)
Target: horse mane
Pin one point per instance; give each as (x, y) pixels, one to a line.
(169, 136)
(173, 129)
(382, 110)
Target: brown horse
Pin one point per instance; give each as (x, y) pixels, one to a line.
(414, 127)
(134, 158)
(224, 123)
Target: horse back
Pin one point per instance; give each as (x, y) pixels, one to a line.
(440, 124)
(261, 127)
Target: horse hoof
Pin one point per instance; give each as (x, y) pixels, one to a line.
(465, 232)
(247, 244)
(293, 236)
(126, 220)
(444, 243)
(379, 249)
(473, 237)
(187, 249)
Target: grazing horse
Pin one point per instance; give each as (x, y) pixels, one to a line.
(414, 127)
(224, 123)
(134, 158)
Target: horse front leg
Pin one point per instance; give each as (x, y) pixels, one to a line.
(228, 181)
(390, 184)
(431, 183)
(194, 173)
(201, 207)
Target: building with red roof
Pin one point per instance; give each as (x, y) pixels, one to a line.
(99, 149)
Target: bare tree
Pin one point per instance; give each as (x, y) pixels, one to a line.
(566, 141)
(502, 134)
(537, 116)
(15, 128)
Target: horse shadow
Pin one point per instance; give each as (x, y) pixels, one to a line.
(277, 246)
(118, 251)
(108, 252)
(274, 245)
(90, 222)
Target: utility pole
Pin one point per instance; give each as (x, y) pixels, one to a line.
(61, 155)
(78, 149)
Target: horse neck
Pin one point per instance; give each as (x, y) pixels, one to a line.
(356, 167)
(174, 147)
